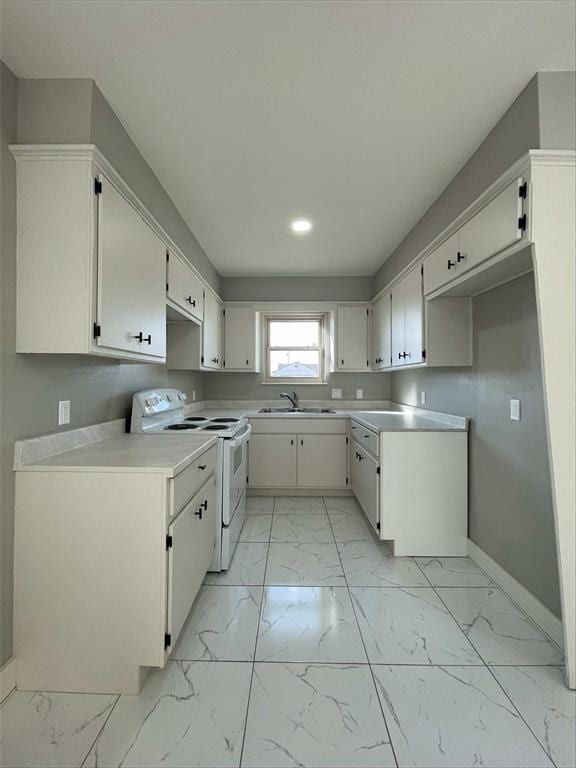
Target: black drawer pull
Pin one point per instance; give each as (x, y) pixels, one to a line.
(460, 256)
(202, 466)
(204, 504)
(199, 514)
(451, 264)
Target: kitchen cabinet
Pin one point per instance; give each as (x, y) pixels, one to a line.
(272, 461)
(109, 560)
(298, 453)
(241, 339)
(192, 347)
(498, 225)
(322, 461)
(192, 547)
(352, 338)
(365, 482)
(87, 248)
(212, 332)
(382, 332)
(184, 290)
(408, 320)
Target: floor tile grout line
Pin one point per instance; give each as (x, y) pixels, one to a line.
(256, 642)
(520, 715)
(101, 731)
(364, 646)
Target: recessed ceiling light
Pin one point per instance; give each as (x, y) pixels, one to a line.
(301, 226)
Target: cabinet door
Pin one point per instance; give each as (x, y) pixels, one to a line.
(131, 277)
(184, 288)
(193, 533)
(397, 325)
(352, 333)
(413, 317)
(493, 228)
(382, 333)
(239, 338)
(441, 265)
(211, 332)
(272, 461)
(365, 482)
(321, 461)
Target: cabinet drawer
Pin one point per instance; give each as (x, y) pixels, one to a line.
(290, 425)
(185, 485)
(370, 440)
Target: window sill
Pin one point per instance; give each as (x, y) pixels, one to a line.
(293, 383)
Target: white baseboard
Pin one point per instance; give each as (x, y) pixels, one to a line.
(538, 612)
(7, 678)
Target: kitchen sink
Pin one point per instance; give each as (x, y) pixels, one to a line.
(296, 410)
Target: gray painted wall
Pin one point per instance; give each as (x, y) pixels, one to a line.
(511, 514)
(557, 109)
(248, 386)
(296, 288)
(31, 385)
(76, 112)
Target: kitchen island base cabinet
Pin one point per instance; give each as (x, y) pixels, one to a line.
(101, 591)
(424, 493)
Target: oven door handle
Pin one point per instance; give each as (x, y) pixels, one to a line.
(242, 437)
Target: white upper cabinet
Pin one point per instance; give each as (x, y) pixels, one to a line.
(352, 338)
(382, 332)
(184, 291)
(241, 339)
(408, 320)
(91, 270)
(212, 332)
(497, 226)
(131, 311)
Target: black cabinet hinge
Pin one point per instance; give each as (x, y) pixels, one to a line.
(377, 470)
(167, 286)
(367, 363)
(246, 478)
(422, 269)
(423, 354)
(367, 313)
(97, 187)
(97, 330)
(523, 190)
(202, 359)
(169, 542)
(223, 363)
(223, 313)
(522, 221)
(167, 255)
(377, 526)
(346, 441)
(167, 640)
(346, 481)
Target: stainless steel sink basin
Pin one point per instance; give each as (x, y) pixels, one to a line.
(296, 410)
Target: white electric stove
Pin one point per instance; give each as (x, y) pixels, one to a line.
(163, 412)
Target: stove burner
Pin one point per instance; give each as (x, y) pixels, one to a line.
(225, 421)
(181, 426)
(214, 427)
(196, 418)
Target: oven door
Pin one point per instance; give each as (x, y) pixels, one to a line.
(235, 472)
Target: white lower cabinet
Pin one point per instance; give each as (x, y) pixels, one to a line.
(272, 461)
(322, 461)
(308, 453)
(191, 544)
(365, 480)
(107, 567)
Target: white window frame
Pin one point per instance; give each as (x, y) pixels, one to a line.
(296, 317)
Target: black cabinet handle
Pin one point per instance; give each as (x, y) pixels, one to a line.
(451, 264)
(139, 337)
(399, 355)
(199, 514)
(407, 354)
(247, 362)
(341, 362)
(148, 339)
(301, 442)
(202, 466)
(204, 504)
(191, 301)
(460, 256)
(291, 442)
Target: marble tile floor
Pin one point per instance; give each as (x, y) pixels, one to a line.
(318, 648)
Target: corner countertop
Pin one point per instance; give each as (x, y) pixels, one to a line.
(106, 448)
(385, 417)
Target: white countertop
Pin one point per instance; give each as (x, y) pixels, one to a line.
(127, 453)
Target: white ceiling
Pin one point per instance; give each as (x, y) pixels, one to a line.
(354, 114)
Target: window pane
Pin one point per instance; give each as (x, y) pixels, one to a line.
(303, 333)
(294, 365)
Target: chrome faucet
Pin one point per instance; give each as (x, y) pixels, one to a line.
(293, 398)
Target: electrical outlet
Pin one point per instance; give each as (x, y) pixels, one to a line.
(515, 410)
(359, 394)
(63, 412)
(193, 395)
(422, 398)
(336, 394)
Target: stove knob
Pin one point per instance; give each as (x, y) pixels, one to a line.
(150, 401)
(170, 398)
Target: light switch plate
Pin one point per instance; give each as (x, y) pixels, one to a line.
(422, 398)
(336, 394)
(63, 412)
(515, 410)
(359, 394)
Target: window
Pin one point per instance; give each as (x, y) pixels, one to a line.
(294, 349)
